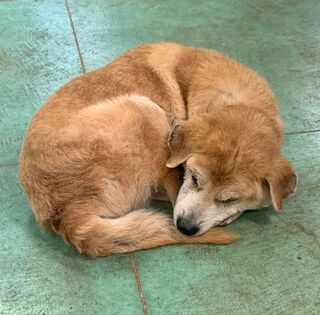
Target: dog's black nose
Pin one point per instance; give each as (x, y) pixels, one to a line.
(186, 227)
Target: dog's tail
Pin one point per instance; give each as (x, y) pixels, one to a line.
(141, 229)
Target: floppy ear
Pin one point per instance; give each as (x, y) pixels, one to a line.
(177, 145)
(282, 182)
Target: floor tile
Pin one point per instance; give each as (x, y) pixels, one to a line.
(42, 275)
(37, 56)
(273, 269)
(278, 38)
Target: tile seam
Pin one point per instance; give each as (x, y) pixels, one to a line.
(75, 36)
(139, 285)
(292, 133)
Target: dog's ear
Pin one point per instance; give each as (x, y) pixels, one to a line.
(282, 182)
(178, 150)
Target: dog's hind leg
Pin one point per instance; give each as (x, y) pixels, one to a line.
(96, 235)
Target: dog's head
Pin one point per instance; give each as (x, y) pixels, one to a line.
(232, 163)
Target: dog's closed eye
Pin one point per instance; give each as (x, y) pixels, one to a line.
(228, 199)
(195, 181)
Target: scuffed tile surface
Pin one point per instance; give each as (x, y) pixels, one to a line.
(42, 275)
(37, 56)
(274, 269)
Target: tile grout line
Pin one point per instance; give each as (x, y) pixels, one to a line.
(75, 36)
(301, 132)
(132, 260)
(139, 286)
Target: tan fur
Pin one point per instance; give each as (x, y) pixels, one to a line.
(105, 161)
(84, 176)
(163, 60)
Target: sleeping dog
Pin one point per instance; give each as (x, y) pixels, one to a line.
(96, 153)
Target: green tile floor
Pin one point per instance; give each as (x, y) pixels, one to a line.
(274, 269)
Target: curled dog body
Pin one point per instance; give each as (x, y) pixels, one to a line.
(92, 158)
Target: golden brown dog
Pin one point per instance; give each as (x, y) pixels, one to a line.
(107, 160)
(91, 156)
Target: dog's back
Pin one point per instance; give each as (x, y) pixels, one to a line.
(116, 145)
(103, 162)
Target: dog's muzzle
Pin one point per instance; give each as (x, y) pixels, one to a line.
(186, 227)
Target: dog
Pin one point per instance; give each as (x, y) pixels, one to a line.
(227, 135)
(230, 144)
(96, 167)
